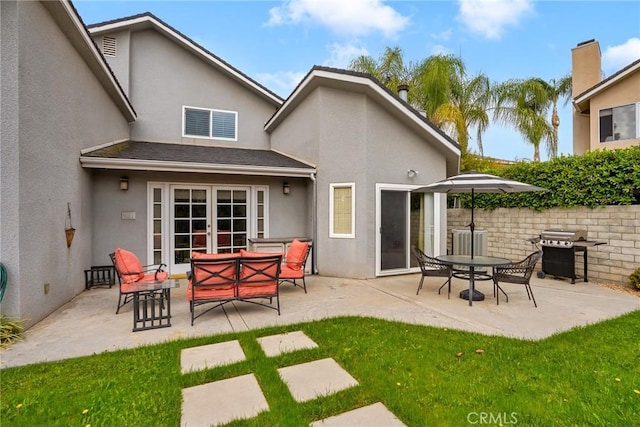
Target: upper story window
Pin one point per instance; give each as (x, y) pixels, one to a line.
(208, 123)
(619, 123)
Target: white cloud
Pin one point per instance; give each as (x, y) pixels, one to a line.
(490, 18)
(342, 54)
(615, 58)
(350, 17)
(282, 82)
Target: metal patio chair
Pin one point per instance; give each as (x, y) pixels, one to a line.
(431, 267)
(517, 272)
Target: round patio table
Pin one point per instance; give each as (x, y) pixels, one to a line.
(472, 263)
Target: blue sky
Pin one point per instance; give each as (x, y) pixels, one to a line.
(277, 42)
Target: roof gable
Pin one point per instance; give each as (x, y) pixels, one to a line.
(365, 83)
(148, 20)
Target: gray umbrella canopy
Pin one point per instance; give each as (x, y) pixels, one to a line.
(475, 182)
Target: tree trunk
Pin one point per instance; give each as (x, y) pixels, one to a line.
(536, 153)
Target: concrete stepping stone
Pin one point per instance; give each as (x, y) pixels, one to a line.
(367, 416)
(275, 345)
(307, 381)
(210, 356)
(223, 401)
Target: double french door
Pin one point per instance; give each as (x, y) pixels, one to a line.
(203, 218)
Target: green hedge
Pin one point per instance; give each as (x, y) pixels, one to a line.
(597, 178)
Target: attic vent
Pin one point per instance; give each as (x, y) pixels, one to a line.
(109, 46)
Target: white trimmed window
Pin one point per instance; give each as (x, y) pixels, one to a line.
(208, 123)
(342, 212)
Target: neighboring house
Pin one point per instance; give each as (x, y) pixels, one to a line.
(161, 147)
(606, 112)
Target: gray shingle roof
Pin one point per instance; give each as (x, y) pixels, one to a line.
(155, 151)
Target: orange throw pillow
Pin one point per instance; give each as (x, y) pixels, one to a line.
(128, 265)
(295, 255)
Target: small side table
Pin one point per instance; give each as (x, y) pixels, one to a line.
(99, 275)
(152, 304)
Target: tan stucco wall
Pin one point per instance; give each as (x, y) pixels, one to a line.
(625, 92)
(509, 229)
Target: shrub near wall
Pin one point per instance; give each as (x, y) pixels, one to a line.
(509, 229)
(598, 191)
(597, 178)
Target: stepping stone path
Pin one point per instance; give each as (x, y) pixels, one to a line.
(241, 397)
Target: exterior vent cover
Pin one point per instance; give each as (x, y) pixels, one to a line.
(109, 46)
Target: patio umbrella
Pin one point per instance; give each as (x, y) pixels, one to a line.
(475, 182)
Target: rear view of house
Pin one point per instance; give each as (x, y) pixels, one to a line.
(163, 148)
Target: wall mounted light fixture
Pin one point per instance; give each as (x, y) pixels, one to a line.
(124, 183)
(411, 173)
(285, 188)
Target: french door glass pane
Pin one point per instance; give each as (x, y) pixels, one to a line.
(157, 226)
(190, 223)
(232, 221)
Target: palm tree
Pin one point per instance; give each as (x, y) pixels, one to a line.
(524, 104)
(451, 100)
(557, 89)
(389, 69)
(440, 88)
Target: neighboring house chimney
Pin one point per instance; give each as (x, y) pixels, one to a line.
(586, 72)
(403, 92)
(586, 66)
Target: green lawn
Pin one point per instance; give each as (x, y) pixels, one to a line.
(587, 376)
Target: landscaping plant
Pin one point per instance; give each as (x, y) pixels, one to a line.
(634, 279)
(10, 331)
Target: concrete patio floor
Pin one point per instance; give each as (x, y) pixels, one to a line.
(87, 324)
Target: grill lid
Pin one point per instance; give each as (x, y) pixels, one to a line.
(564, 235)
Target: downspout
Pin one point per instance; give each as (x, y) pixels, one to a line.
(314, 223)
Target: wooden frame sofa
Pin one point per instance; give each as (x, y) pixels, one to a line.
(221, 278)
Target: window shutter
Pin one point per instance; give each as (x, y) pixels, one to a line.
(224, 125)
(196, 122)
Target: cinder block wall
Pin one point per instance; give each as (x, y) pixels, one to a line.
(509, 229)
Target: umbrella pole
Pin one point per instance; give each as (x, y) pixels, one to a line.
(472, 225)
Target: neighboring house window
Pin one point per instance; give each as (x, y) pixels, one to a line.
(206, 123)
(109, 46)
(619, 123)
(342, 211)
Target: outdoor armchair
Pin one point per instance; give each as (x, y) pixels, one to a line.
(517, 272)
(293, 267)
(431, 267)
(130, 270)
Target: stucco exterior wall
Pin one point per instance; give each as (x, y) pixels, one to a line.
(357, 141)
(617, 226)
(120, 63)
(165, 77)
(61, 108)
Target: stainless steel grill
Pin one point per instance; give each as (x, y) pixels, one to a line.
(559, 250)
(560, 238)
